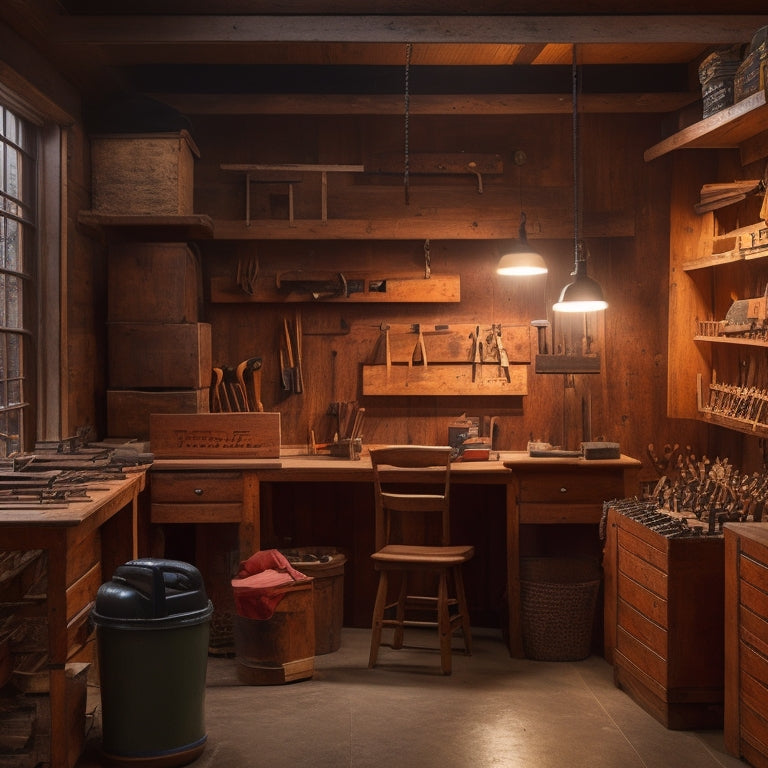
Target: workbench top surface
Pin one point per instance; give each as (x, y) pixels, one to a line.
(98, 495)
(297, 464)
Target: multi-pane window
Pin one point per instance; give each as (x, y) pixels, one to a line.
(18, 143)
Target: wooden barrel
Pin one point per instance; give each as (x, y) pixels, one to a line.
(280, 649)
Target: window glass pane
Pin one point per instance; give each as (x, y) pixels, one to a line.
(11, 127)
(11, 256)
(13, 314)
(12, 167)
(13, 354)
(18, 191)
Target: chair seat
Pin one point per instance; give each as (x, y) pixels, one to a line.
(443, 557)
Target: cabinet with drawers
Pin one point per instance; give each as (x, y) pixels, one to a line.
(745, 727)
(664, 621)
(222, 505)
(554, 508)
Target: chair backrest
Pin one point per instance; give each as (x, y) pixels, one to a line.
(428, 469)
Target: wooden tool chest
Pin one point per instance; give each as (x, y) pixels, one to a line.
(664, 621)
(745, 727)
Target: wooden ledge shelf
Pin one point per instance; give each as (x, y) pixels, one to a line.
(732, 340)
(168, 229)
(728, 128)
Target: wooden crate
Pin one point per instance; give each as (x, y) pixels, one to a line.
(152, 283)
(128, 410)
(146, 174)
(215, 435)
(162, 355)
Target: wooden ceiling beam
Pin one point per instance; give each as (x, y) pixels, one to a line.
(152, 30)
(506, 104)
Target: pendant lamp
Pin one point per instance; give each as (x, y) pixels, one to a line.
(521, 259)
(583, 294)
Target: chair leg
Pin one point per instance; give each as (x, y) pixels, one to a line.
(444, 624)
(461, 598)
(397, 640)
(378, 616)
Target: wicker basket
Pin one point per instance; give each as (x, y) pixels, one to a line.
(558, 599)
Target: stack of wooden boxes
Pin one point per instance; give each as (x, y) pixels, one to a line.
(159, 353)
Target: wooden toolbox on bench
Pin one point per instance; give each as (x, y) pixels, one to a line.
(215, 435)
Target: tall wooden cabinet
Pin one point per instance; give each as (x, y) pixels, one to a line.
(745, 729)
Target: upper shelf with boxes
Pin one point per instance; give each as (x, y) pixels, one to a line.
(142, 187)
(734, 104)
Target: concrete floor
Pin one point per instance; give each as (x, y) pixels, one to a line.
(493, 711)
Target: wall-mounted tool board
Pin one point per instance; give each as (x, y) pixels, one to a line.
(339, 287)
(398, 367)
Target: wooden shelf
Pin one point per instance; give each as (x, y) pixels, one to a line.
(737, 425)
(166, 229)
(723, 130)
(732, 340)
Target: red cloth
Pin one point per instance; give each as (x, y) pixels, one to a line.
(260, 583)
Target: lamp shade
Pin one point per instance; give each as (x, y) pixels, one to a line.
(583, 294)
(521, 259)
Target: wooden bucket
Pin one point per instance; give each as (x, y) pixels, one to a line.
(280, 649)
(328, 576)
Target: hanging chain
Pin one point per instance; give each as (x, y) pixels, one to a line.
(406, 172)
(427, 261)
(576, 160)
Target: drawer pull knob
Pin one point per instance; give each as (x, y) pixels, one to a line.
(563, 490)
(198, 491)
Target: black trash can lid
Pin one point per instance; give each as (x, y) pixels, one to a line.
(152, 589)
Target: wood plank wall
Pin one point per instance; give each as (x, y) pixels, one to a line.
(627, 397)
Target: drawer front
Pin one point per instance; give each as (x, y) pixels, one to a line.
(569, 487)
(197, 513)
(641, 572)
(643, 629)
(82, 592)
(628, 542)
(643, 600)
(641, 656)
(196, 487)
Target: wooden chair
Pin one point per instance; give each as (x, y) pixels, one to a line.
(427, 470)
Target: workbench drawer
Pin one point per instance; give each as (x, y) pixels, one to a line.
(565, 488)
(197, 487)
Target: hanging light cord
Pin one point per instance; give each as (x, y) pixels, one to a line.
(576, 159)
(406, 171)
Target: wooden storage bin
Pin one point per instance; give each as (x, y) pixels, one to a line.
(159, 355)
(664, 622)
(143, 174)
(152, 283)
(128, 410)
(745, 727)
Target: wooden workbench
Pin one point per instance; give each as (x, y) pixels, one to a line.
(85, 541)
(537, 490)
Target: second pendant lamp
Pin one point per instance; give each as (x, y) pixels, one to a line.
(583, 294)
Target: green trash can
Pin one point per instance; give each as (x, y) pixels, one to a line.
(152, 625)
